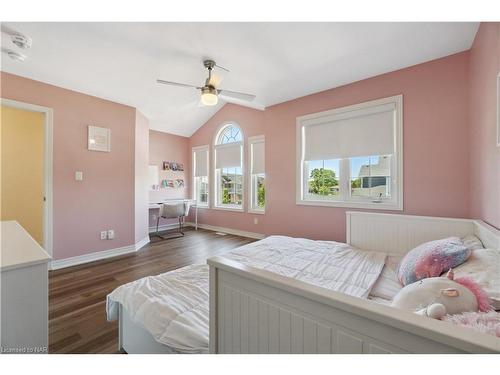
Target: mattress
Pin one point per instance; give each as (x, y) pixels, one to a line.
(173, 307)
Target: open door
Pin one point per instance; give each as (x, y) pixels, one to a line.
(22, 134)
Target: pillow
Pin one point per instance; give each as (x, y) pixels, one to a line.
(387, 285)
(431, 259)
(483, 267)
(472, 242)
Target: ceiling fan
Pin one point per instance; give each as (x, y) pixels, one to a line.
(209, 91)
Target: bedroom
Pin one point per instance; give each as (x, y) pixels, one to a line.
(371, 148)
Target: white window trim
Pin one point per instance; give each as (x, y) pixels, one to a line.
(216, 186)
(193, 193)
(396, 165)
(251, 141)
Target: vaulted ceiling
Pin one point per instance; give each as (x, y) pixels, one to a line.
(275, 61)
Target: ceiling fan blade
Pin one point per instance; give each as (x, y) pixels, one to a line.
(221, 67)
(236, 95)
(177, 84)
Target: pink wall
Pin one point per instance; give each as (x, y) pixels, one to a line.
(436, 145)
(252, 123)
(141, 176)
(105, 197)
(173, 148)
(485, 155)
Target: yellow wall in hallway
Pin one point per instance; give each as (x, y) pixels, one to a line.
(22, 142)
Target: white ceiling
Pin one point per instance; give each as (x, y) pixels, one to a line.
(275, 61)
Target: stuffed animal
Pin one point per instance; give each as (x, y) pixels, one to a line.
(436, 297)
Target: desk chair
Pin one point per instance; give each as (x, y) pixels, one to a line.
(177, 210)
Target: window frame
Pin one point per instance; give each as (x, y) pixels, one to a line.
(345, 200)
(193, 167)
(251, 193)
(217, 172)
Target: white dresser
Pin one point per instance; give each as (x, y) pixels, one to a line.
(24, 292)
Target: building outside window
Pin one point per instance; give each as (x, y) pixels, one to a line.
(352, 156)
(257, 173)
(229, 178)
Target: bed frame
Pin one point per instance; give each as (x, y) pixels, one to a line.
(256, 311)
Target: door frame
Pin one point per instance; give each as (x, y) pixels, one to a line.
(48, 166)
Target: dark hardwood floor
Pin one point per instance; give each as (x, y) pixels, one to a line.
(77, 295)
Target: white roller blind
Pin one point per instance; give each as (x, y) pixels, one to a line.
(258, 158)
(355, 133)
(228, 156)
(201, 163)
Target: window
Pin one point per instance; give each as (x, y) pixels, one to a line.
(200, 176)
(229, 177)
(352, 156)
(256, 157)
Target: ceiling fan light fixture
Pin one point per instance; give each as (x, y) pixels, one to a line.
(209, 96)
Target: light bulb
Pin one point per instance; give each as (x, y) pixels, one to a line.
(208, 98)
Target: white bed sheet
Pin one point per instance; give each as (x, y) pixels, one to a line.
(173, 306)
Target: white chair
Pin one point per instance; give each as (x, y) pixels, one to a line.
(177, 210)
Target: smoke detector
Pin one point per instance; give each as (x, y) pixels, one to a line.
(22, 41)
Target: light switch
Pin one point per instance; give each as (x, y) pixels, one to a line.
(79, 176)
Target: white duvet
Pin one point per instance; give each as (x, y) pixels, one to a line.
(173, 306)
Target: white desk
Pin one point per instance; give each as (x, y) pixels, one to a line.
(192, 203)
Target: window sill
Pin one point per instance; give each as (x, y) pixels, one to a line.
(258, 212)
(393, 206)
(204, 207)
(233, 209)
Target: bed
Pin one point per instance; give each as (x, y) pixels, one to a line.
(256, 310)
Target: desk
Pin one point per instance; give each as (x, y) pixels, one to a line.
(192, 203)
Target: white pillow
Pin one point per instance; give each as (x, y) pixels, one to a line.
(472, 242)
(387, 284)
(483, 266)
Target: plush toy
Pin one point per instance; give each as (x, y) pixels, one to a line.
(436, 297)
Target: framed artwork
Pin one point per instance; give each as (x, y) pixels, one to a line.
(173, 166)
(99, 139)
(498, 110)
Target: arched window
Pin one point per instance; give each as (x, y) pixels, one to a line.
(229, 177)
(229, 134)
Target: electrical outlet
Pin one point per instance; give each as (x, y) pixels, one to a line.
(256, 220)
(111, 234)
(104, 235)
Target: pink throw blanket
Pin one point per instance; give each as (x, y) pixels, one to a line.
(485, 322)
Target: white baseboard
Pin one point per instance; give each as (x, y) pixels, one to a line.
(98, 255)
(166, 227)
(236, 232)
(139, 245)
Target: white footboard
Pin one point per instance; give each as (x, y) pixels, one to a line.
(255, 311)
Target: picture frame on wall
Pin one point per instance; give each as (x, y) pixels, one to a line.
(99, 139)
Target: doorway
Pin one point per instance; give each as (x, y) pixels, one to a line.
(26, 168)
